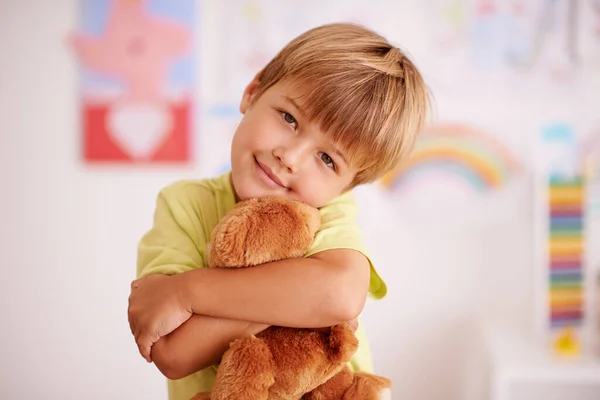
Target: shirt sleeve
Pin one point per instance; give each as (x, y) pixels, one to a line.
(175, 243)
(340, 230)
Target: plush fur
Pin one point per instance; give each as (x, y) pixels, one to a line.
(246, 236)
(283, 363)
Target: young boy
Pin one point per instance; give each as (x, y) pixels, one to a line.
(337, 107)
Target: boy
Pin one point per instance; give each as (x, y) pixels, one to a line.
(337, 107)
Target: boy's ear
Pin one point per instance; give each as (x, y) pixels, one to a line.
(249, 94)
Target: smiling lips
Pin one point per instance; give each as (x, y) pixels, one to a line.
(270, 174)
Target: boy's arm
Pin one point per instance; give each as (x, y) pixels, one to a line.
(201, 342)
(327, 288)
(198, 343)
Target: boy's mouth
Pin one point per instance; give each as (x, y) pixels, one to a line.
(269, 174)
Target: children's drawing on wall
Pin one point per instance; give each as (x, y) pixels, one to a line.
(455, 171)
(554, 42)
(591, 38)
(549, 40)
(136, 80)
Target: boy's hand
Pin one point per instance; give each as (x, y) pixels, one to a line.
(156, 308)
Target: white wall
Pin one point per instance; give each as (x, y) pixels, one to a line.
(69, 233)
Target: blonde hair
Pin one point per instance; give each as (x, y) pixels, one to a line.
(364, 93)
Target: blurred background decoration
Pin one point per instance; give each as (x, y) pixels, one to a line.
(478, 161)
(104, 102)
(136, 79)
(591, 157)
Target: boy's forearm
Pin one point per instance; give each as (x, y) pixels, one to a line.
(305, 292)
(198, 343)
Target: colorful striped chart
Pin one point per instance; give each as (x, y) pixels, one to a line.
(566, 250)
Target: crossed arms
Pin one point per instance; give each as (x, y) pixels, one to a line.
(185, 322)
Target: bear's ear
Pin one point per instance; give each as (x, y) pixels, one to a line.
(312, 216)
(228, 241)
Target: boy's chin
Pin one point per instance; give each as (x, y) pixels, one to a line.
(247, 192)
(254, 193)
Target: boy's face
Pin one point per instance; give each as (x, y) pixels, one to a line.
(277, 151)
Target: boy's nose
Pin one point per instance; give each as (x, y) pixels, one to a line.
(292, 156)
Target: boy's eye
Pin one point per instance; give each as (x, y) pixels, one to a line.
(327, 160)
(289, 118)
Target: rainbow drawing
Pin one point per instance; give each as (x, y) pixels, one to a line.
(566, 200)
(459, 151)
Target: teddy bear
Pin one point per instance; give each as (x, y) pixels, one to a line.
(283, 363)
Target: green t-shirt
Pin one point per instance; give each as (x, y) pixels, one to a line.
(187, 212)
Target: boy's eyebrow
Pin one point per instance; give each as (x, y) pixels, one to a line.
(293, 103)
(339, 153)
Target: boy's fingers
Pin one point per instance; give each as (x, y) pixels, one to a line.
(145, 343)
(145, 352)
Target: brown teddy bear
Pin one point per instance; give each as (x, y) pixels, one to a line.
(283, 363)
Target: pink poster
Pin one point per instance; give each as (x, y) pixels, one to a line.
(136, 80)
